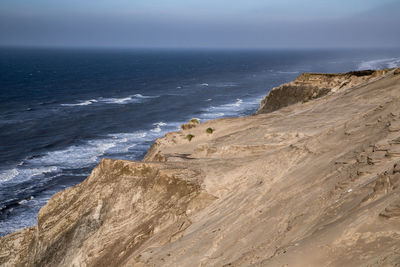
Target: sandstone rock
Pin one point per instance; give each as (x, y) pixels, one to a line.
(394, 151)
(382, 146)
(310, 86)
(106, 218)
(391, 211)
(289, 94)
(376, 157)
(395, 126)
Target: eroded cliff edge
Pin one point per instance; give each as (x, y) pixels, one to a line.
(312, 184)
(309, 86)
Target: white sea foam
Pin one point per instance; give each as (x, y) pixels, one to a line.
(231, 109)
(145, 96)
(225, 84)
(380, 63)
(157, 127)
(83, 103)
(125, 141)
(129, 136)
(125, 100)
(219, 84)
(24, 201)
(23, 174)
(76, 156)
(38, 171)
(238, 103)
(8, 175)
(137, 98)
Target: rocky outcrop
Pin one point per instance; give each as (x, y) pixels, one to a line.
(309, 86)
(315, 185)
(104, 220)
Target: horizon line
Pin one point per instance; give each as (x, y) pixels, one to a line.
(255, 48)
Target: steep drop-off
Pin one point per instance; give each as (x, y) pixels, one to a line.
(314, 183)
(309, 86)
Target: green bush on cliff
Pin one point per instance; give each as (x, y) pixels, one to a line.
(189, 137)
(195, 121)
(209, 130)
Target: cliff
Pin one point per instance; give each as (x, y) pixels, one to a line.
(310, 184)
(309, 86)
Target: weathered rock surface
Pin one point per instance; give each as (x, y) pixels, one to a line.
(309, 86)
(314, 184)
(104, 220)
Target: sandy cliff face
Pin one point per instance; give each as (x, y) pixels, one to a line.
(309, 86)
(311, 184)
(102, 221)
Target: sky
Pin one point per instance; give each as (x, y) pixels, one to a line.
(200, 23)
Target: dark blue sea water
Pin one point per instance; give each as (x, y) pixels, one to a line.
(61, 111)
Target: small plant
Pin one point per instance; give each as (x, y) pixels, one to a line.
(195, 121)
(187, 126)
(209, 130)
(191, 124)
(189, 137)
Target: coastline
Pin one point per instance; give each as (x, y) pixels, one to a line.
(43, 151)
(257, 190)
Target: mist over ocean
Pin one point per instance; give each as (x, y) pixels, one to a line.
(62, 111)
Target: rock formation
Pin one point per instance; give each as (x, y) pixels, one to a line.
(310, 86)
(310, 184)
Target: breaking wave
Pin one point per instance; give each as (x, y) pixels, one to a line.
(137, 98)
(157, 127)
(379, 64)
(239, 107)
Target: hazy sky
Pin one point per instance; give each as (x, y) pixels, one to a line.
(201, 23)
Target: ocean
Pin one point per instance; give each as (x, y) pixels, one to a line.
(63, 110)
